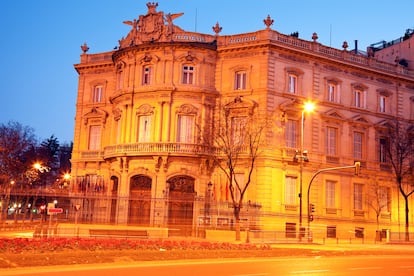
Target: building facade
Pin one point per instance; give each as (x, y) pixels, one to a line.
(144, 108)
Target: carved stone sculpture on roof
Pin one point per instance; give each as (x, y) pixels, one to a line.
(152, 27)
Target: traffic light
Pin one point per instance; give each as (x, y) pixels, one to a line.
(311, 208)
(357, 168)
(310, 218)
(42, 209)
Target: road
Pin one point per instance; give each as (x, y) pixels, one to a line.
(355, 266)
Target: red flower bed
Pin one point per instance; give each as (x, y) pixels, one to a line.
(17, 245)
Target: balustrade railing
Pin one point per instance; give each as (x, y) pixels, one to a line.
(145, 148)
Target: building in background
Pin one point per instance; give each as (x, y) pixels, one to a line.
(143, 109)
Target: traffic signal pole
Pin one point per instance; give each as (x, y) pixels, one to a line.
(356, 166)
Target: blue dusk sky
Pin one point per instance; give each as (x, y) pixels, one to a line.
(41, 41)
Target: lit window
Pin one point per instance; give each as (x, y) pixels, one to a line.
(97, 94)
(188, 74)
(146, 77)
(291, 134)
(290, 190)
(95, 137)
(358, 145)
(240, 80)
(331, 141)
(144, 128)
(292, 83)
(330, 194)
(185, 133)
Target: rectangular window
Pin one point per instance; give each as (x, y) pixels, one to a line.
(118, 131)
(94, 138)
(238, 125)
(146, 77)
(97, 94)
(359, 232)
(331, 141)
(330, 194)
(382, 102)
(188, 73)
(291, 133)
(120, 79)
(292, 83)
(290, 190)
(333, 93)
(358, 145)
(384, 198)
(240, 80)
(144, 128)
(331, 231)
(359, 98)
(290, 230)
(185, 129)
(382, 150)
(358, 196)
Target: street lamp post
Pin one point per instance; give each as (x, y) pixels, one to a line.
(356, 166)
(307, 107)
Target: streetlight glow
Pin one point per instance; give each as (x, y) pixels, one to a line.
(66, 176)
(308, 106)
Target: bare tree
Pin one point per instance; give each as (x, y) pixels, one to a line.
(378, 198)
(16, 146)
(237, 138)
(400, 154)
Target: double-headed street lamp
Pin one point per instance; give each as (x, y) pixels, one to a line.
(307, 108)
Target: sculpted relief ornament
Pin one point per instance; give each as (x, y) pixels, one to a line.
(154, 26)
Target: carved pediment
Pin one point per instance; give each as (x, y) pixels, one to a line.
(187, 109)
(240, 105)
(95, 114)
(333, 115)
(383, 125)
(358, 119)
(145, 109)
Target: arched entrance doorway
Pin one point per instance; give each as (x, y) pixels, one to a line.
(139, 200)
(181, 205)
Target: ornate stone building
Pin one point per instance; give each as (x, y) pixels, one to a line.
(143, 109)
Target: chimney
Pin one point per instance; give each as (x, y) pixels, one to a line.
(356, 47)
